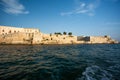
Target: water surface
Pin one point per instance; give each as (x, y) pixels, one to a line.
(60, 62)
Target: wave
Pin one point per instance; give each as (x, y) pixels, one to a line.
(95, 73)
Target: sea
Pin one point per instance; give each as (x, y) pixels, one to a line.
(60, 62)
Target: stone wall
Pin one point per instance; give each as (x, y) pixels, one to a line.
(99, 39)
(37, 38)
(95, 39)
(58, 39)
(14, 38)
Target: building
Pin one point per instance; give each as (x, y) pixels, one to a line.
(13, 35)
(8, 30)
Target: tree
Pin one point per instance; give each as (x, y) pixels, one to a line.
(64, 33)
(57, 33)
(70, 33)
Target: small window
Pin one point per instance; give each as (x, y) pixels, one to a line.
(2, 30)
(10, 31)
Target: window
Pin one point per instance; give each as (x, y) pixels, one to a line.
(2, 30)
(14, 31)
(10, 31)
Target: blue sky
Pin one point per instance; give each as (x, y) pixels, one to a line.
(81, 17)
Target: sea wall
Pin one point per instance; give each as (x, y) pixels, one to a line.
(99, 39)
(14, 38)
(95, 39)
(58, 39)
(102, 39)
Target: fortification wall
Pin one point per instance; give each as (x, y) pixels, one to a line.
(15, 38)
(12, 35)
(58, 39)
(99, 39)
(37, 38)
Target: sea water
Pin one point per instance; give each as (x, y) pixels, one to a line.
(60, 62)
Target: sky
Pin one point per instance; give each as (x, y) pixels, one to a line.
(81, 17)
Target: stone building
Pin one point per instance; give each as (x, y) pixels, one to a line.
(8, 30)
(13, 35)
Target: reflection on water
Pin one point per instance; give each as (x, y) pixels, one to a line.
(60, 62)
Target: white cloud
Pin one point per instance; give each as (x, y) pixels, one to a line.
(14, 7)
(84, 8)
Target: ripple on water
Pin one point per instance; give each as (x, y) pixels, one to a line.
(60, 62)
